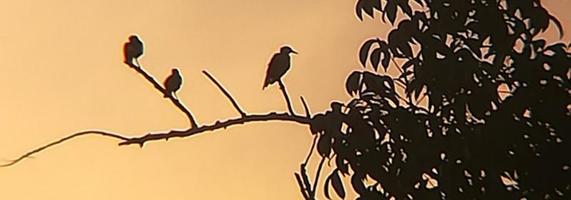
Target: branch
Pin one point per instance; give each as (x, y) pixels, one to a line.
(217, 125)
(234, 103)
(174, 133)
(286, 97)
(158, 86)
(39, 149)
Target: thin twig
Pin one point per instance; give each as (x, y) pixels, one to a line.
(286, 96)
(234, 103)
(301, 186)
(314, 190)
(310, 150)
(175, 101)
(305, 107)
(39, 149)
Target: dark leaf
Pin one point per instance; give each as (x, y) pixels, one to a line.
(364, 51)
(326, 187)
(375, 58)
(337, 184)
(391, 11)
(352, 84)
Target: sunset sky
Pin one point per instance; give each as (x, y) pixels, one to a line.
(61, 72)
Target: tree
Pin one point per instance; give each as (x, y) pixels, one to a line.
(493, 127)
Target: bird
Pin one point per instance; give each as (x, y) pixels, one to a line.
(173, 83)
(278, 66)
(133, 50)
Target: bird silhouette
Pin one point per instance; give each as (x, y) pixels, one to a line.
(173, 83)
(133, 50)
(278, 66)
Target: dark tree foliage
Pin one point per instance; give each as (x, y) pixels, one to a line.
(497, 124)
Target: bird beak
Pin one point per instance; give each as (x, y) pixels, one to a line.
(294, 52)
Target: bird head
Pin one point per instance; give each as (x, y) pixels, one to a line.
(133, 38)
(287, 50)
(175, 71)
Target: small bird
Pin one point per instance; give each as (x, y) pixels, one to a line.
(278, 66)
(173, 83)
(133, 50)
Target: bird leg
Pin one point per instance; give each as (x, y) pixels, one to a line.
(137, 62)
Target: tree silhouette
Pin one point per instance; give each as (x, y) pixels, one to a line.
(484, 114)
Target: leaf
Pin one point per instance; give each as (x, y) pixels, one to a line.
(352, 83)
(375, 58)
(326, 187)
(391, 11)
(364, 51)
(337, 184)
(358, 9)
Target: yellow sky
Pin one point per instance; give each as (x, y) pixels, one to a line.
(61, 72)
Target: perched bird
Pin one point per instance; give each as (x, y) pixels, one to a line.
(278, 66)
(173, 83)
(133, 50)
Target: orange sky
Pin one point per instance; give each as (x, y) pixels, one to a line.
(61, 72)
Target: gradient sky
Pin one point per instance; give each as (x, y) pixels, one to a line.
(61, 72)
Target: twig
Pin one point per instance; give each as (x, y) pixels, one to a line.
(175, 101)
(37, 150)
(305, 107)
(301, 186)
(286, 96)
(234, 103)
(317, 176)
(310, 150)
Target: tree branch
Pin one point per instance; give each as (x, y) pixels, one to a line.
(158, 86)
(39, 149)
(173, 133)
(286, 96)
(234, 103)
(217, 125)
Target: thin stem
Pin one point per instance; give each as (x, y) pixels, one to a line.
(234, 103)
(301, 186)
(175, 101)
(310, 150)
(317, 176)
(286, 96)
(305, 107)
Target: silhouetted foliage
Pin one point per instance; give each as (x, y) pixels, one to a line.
(497, 121)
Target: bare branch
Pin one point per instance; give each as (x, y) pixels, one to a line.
(286, 96)
(173, 133)
(39, 149)
(217, 125)
(234, 103)
(175, 101)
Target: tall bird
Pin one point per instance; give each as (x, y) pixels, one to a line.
(133, 50)
(173, 83)
(278, 66)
